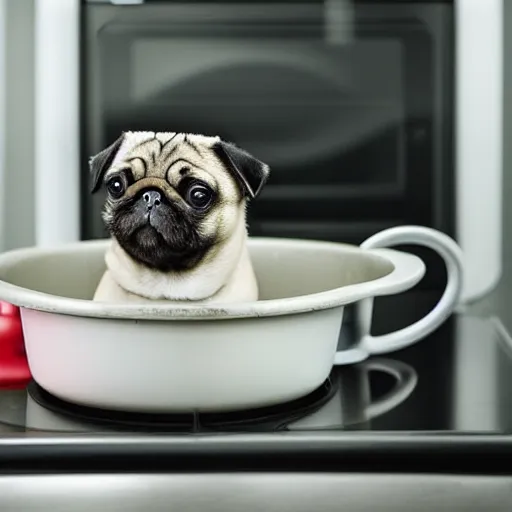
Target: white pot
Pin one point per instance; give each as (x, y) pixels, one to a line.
(165, 357)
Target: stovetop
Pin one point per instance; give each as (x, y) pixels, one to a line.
(458, 380)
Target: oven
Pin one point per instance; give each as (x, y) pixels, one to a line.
(370, 113)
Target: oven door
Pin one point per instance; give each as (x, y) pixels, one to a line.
(349, 102)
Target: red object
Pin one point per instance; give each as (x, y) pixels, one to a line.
(14, 370)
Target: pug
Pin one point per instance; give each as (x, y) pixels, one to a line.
(176, 212)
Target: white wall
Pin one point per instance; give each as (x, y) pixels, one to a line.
(499, 302)
(17, 184)
(2, 120)
(57, 186)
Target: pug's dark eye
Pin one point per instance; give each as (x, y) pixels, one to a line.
(199, 196)
(115, 187)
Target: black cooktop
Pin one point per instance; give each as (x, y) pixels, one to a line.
(458, 380)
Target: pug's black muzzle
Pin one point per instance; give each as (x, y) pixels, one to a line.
(159, 233)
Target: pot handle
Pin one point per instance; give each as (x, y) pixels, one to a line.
(406, 380)
(452, 256)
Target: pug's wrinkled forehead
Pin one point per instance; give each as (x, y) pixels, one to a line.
(163, 154)
(172, 156)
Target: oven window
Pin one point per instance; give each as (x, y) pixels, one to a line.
(298, 105)
(346, 101)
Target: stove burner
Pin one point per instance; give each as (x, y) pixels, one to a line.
(275, 417)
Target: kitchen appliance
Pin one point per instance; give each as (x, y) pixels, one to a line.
(372, 114)
(216, 357)
(444, 444)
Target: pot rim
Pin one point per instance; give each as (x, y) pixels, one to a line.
(406, 271)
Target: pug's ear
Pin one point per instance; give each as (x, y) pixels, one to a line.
(251, 173)
(99, 164)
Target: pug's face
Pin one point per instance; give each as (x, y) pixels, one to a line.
(172, 197)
